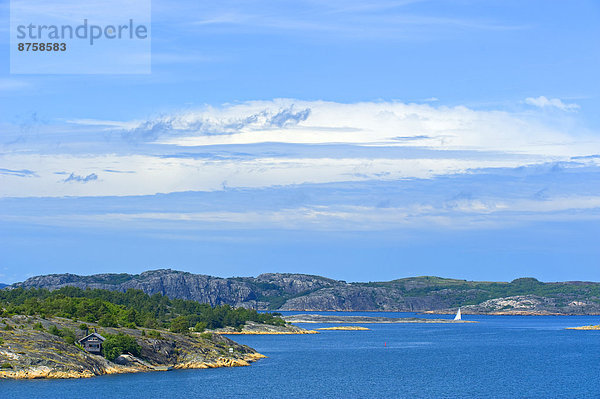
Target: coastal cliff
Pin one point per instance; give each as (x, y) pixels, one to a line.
(29, 350)
(299, 292)
(256, 293)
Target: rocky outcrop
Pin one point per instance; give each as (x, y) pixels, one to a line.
(529, 305)
(300, 292)
(28, 350)
(292, 284)
(253, 328)
(585, 328)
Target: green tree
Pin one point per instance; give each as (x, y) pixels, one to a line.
(68, 335)
(108, 320)
(180, 325)
(115, 345)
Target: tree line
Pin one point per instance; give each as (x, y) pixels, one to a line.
(132, 308)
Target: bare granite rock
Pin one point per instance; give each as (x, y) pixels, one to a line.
(30, 351)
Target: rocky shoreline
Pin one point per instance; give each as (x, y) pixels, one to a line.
(466, 311)
(50, 373)
(29, 351)
(314, 318)
(585, 328)
(253, 328)
(344, 328)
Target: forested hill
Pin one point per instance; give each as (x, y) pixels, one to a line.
(131, 309)
(3, 285)
(306, 292)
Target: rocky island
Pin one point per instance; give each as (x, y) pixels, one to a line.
(253, 328)
(585, 328)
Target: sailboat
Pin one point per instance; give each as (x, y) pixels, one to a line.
(458, 315)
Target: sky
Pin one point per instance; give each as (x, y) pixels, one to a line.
(358, 141)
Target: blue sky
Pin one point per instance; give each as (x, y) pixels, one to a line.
(356, 141)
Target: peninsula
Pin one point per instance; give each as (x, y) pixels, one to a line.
(32, 347)
(74, 333)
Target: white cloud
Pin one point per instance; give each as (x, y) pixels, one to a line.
(154, 175)
(491, 213)
(544, 102)
(211, 148)
(367, 123)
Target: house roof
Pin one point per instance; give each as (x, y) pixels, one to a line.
(94, 334)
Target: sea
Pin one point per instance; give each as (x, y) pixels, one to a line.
(498, 357)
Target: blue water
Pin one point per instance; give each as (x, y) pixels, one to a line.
(499, 357)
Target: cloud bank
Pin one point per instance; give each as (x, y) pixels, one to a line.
(472, 167)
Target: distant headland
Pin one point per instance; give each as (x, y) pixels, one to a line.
(301, 292)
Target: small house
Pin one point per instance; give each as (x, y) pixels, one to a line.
(92, 343)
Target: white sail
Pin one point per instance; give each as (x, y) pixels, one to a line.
(458, 316)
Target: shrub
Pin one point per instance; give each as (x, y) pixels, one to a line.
(200, 326)
(65, 333)
(83, 327)
(38, 326)
(6, 366)
(54, 330)
(206, 335)
(115, 345)
(1, 341)
(154, 334)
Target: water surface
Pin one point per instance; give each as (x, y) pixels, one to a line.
(499, 357)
